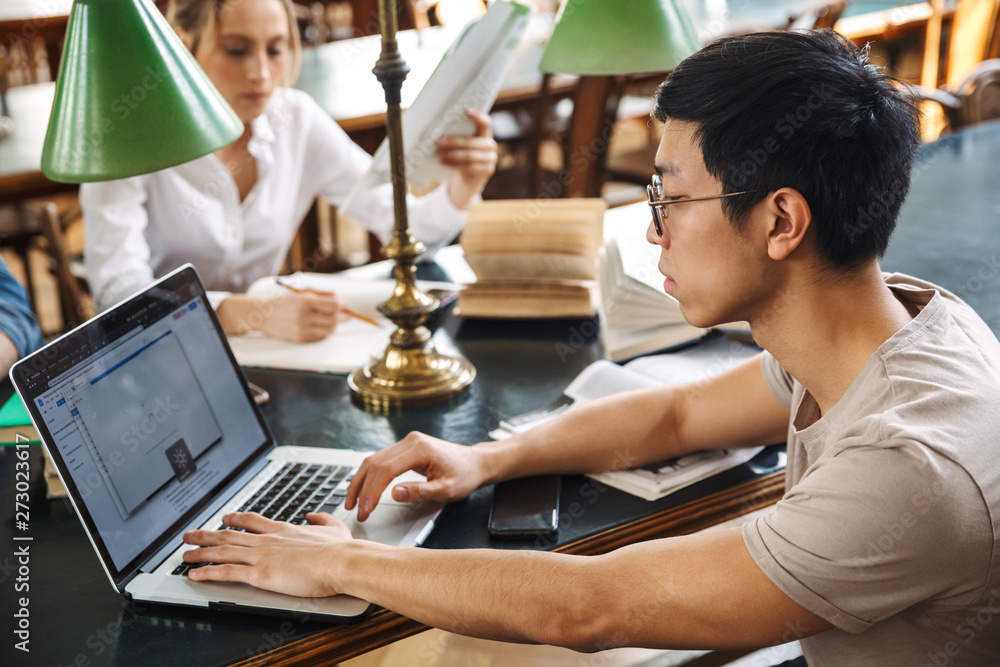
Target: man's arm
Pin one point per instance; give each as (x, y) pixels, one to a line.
(701, 590)
(733, 409)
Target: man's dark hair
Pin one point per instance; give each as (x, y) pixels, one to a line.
(804, 110)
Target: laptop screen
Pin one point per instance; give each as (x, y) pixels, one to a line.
(148, 412)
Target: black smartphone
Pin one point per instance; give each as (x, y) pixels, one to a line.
(527, 507)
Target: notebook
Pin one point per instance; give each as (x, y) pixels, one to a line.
(154, 431)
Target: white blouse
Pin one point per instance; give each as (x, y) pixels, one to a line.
(138, 229)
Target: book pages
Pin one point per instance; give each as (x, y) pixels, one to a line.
(604, 378)
(469, 76)
(533, 258)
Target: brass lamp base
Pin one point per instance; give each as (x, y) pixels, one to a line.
(406, 377)
(411, 372)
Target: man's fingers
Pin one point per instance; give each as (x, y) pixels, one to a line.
(412, 492)
(224, 572)
(252, 521)
(362, 478)
(321, 519)
(355, 486)
(205, 538)
(223, 553)
(381, 476)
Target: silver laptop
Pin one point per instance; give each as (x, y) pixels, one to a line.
(154, 431)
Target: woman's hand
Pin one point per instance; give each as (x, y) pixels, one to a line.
(304, 317)
(474, 159)
(272, 555)
(452, 471)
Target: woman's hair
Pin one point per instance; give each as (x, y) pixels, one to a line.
(197, 18)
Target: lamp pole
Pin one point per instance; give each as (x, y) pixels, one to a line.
(411, 371)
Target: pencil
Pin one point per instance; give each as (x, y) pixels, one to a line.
(352, 313)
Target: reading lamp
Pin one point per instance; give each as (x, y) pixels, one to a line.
(598, 39)
(130, 98)
(411, 371)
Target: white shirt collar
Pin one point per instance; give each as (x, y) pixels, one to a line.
(263, 134)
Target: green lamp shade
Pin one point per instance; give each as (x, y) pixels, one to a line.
(130, 99)
(619, 37)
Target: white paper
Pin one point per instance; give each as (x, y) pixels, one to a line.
(352, 344)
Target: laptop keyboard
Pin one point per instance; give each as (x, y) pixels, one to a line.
(293, 492)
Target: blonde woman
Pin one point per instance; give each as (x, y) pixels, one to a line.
(234, 213)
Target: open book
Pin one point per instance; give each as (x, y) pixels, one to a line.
(469, 76)
(532, 258)
(604, 378)
(637, 316)
(352, 344)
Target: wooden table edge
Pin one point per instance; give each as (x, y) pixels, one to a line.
(384, 627)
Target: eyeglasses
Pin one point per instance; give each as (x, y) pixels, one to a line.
(658, 205)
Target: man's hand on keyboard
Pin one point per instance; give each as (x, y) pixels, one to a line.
(272, 555)
(452, 472)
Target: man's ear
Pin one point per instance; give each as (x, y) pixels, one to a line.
(791, 217)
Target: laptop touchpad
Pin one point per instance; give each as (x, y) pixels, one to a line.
(390, 523)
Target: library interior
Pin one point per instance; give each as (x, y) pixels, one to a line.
(375, 333)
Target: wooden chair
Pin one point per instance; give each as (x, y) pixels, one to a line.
(69, 272)
(975, 100)
(520, 134)
(966, 93)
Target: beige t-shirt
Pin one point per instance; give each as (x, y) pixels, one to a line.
(890, 524)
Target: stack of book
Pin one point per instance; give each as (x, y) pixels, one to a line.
(532, 258)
